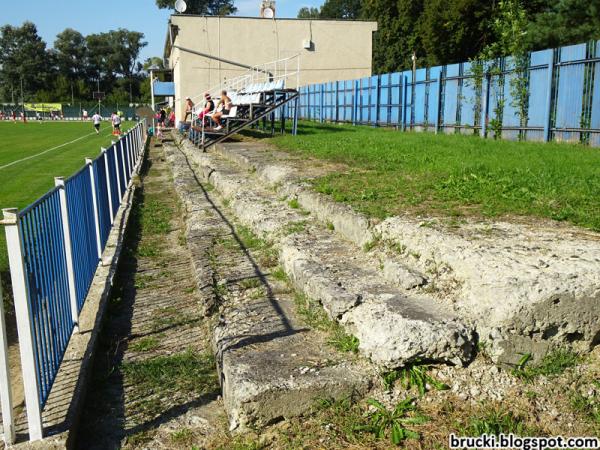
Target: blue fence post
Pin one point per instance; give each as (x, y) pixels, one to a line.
(322, 95)
(548, 106)
(485, 104)
(24, 323)
(377, 100)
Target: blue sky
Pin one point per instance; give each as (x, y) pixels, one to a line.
(88, 16)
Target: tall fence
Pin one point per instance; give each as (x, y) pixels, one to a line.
(561, 100)
(55, 245)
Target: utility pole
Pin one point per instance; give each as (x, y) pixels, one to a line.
(22, 98)
(72, 95)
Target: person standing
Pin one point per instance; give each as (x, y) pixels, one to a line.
(96, 118)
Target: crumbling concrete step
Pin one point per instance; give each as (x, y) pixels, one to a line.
(393, 328)
(271, 365)
(526, 287)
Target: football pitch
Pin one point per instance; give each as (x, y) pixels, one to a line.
(32, 154)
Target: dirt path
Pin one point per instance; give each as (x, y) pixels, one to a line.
(154, 382)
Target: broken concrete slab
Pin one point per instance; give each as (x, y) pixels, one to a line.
(526, 287)
(341, 277)
(271, 366)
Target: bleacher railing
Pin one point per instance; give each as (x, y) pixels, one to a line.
(55, 246)
(562, 101)
(286, 69)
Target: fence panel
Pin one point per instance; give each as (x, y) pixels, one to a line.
(112, 173)
(595, 100)
(82, 226)
(43, 249)
(104, 213)
(540, 64)
(569, 96)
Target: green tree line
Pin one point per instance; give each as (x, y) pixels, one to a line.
(73, 68)
(450, 31)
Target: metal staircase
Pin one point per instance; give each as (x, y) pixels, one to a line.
(259, 94)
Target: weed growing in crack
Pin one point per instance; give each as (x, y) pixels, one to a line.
(294, 204)
(279, 274)
(294, 227)
(393, 423)
(495, 422)
(412, 376)
(145, 344)
(554, 363)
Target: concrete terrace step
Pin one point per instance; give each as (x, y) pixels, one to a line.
(394, 328)
(525, 287)
(271, 365)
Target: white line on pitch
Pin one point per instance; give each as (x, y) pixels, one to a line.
(45, 151)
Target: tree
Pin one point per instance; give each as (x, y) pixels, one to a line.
(23, 56)
(203, 7)
(71, 51)
(564, 22)
(397, 36)
(454, 30)
(341, 9)
(309, 13)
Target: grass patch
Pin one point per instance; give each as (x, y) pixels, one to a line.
(294, 227)
(184, 373)
(330, 226)
(250, 240)
(294, 204)
(314, 316)
(495, 422)
(145, 344)
(452, 175)
(280, 275)
(24, 182)
(250, 283)
(554, 363)
(587, 407)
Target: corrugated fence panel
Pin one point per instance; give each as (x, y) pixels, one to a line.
(569, 97)
(420, 94)
(82, 226)
(510, 116)
(595, 116)
(44, 256)
(451, 92)
(364, 116)
(469, 99)
(384, 99)
(433, 99)
(396, 97)
(538, 93)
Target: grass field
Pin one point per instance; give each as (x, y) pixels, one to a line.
(453, 175)
(23, 182)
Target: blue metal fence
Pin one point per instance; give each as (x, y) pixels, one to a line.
(82, 227)
(562, 101)
(43, 250)
(54, 249)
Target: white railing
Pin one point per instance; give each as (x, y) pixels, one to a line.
(285, 69)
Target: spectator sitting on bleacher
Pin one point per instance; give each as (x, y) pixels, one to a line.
(223, 108)
(209, 106)
(189, 107)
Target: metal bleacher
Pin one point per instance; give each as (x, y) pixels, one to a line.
(259, 94)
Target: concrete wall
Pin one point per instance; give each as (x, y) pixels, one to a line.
(341, 50)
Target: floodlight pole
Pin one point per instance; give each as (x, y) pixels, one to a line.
(99, 110)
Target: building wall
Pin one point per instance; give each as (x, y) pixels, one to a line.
(341, 50)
